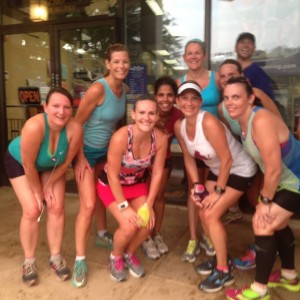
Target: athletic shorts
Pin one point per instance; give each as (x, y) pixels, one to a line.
(95, 155)
(234, 181)
(13, 167)
(201, 164)
(130, 192)
(288, 200)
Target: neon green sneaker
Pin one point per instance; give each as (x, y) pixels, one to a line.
(192, 250)
(276, 280)
(246, 293)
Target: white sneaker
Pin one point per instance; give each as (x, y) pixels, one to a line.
(160, 244)
(150, 249)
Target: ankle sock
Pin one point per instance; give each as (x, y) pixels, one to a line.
(29, 260)
(80, 257)
(258, 289)
(55, 257)
(101, 232)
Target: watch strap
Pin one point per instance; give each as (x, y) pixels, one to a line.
(123, 205)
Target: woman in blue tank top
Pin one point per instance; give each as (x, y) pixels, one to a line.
(36, 163)
(101, 108)
(268, 140)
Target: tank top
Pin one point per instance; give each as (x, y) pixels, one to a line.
(290, 155)
(211, 95)
(200, 148)
(104, 118)
(45, 160)
(133, 170)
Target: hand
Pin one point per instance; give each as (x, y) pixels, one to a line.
(196, 199)
(132, 217)
(81, 166)
(39, 199)
(210, 201)
(263, 217)
(49, 195)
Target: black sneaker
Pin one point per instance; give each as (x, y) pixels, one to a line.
(216, 281)
(206, 267)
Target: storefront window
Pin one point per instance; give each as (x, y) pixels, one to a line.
(24, 11)
(156, 37)
(275, 24)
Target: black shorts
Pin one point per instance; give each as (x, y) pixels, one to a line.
(288, 200)
(13, 167)
(201, 164)
(234, 181)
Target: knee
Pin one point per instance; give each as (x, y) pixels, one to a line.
(87, 207)
(208, 218)
(127, 231)
(31, 214)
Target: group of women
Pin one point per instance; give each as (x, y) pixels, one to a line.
(128, 170)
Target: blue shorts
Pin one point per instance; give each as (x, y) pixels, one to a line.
(95, 155)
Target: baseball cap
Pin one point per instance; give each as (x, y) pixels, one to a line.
(246, 35)
(189, 85)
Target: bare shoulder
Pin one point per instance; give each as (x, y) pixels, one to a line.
(160, 136)
(35, 124)
(74, 125)
(121, 135)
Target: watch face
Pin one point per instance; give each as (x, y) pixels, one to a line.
(219, 190)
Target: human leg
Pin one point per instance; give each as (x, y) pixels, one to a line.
(29, 228)
(87, 197)
(55, 229)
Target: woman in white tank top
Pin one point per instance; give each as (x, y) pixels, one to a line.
(202, 136)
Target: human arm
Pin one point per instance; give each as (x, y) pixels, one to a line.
(74, 135)
(31, 139)
(265, 132)
(266, 101)
(117, 148)
(189, 161)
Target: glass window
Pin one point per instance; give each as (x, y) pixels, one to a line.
(275, 24)
(23, 11)
(157, 32)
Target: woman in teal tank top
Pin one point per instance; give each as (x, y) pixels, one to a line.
(36, 163)
(101, 108)
(269, 142)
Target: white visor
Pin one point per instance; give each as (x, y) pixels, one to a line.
(189, 86)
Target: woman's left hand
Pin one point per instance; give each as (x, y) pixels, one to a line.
(49, 195)
(263, 217)
(210, 200)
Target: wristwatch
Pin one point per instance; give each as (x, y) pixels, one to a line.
(264, 200)
(219, 190)
(123, 205)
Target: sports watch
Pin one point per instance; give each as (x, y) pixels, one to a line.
(264, 200)
(219, 190)
(123, 205)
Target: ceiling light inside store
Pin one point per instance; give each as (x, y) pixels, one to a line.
(161, 52)
(38, 11)
(155, 7)
(170, 61)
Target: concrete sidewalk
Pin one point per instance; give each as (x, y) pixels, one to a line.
(167, 278)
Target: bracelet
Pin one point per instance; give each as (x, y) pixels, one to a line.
(123, 205)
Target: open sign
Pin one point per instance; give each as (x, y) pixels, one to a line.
(29, 95)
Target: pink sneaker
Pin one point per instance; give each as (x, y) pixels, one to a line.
(276, 280)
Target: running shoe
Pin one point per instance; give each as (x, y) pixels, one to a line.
(59, 267)
(206, 245)
(117, 269)
(30, 275)
(160, 244)
(105, 241)
(246, 293)
(246, 262)
(192, 250)
(216, 281)
(207, 266)
(231, 216)
(79, 276)
(134, 266)
(150, 250)
(277, 280)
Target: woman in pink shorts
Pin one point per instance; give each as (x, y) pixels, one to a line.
(123, 186)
